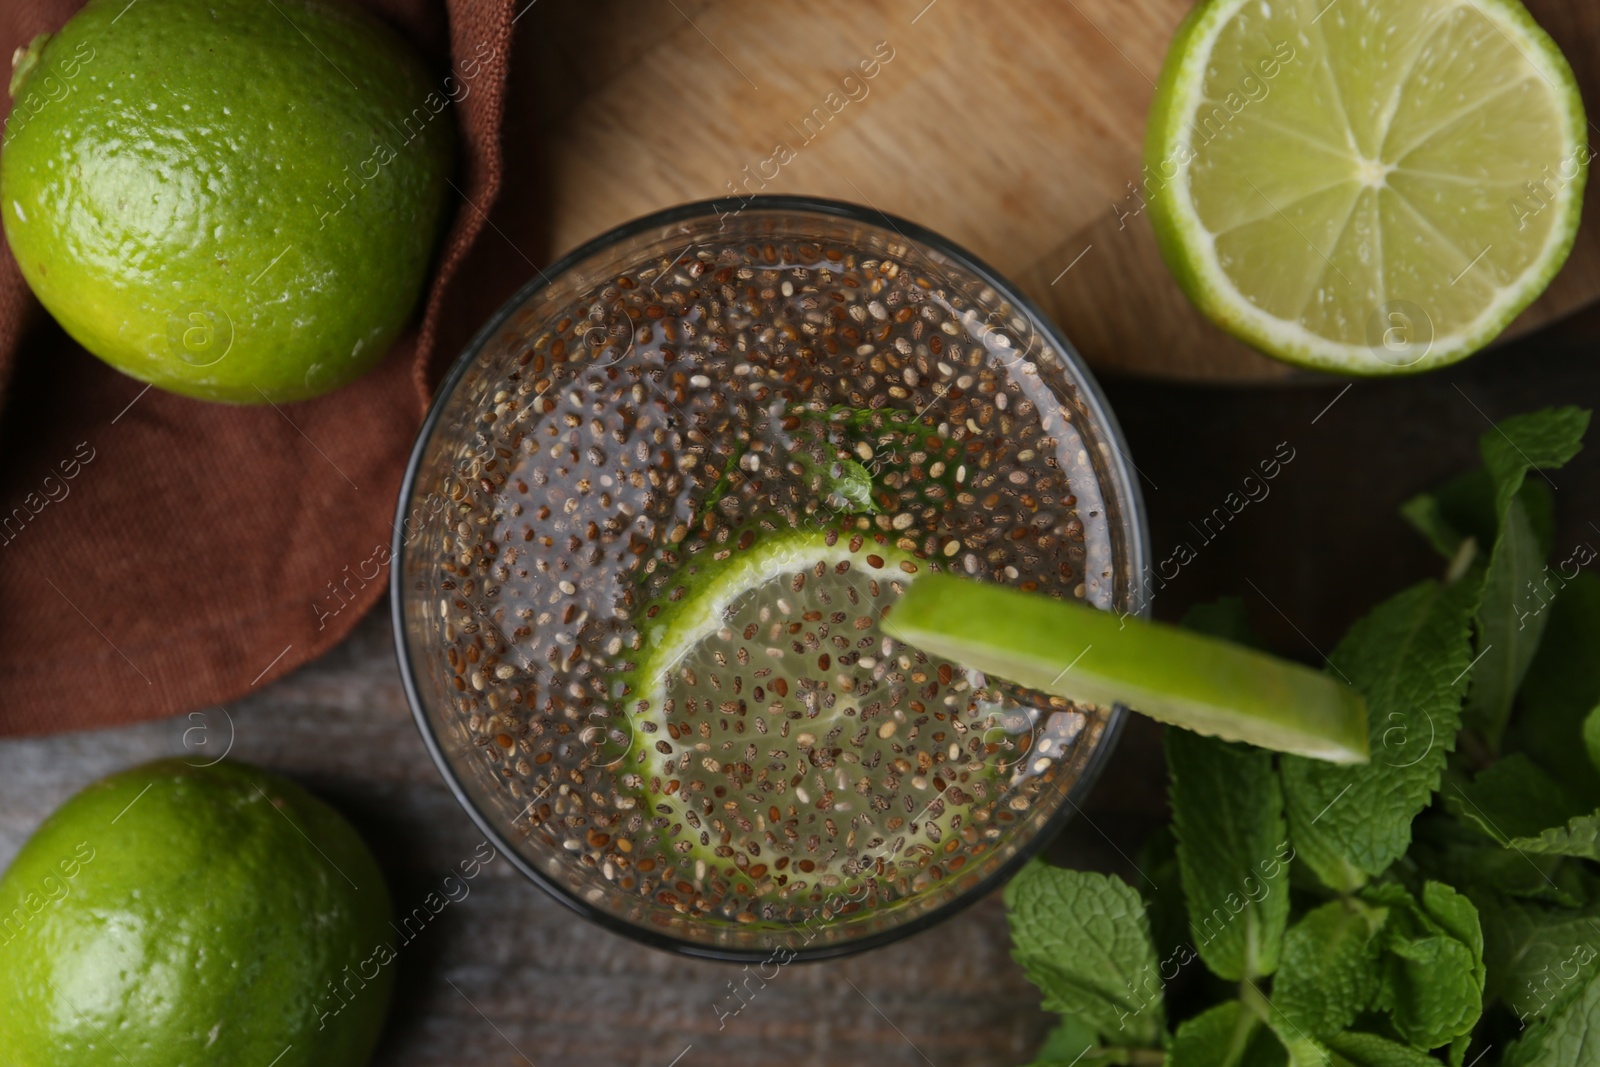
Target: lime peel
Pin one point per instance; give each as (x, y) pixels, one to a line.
(201, 913)
(1181, 678)
(683, 624)
(194, 238)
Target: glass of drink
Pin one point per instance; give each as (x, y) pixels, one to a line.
(648, 540)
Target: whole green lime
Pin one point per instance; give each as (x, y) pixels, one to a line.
(177, 916)
(229, 199)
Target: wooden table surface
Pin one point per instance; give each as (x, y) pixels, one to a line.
(508, 976)
(1016, 129)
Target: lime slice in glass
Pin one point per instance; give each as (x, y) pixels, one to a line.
(1365, 186)
(769, 701)
(1096, 657)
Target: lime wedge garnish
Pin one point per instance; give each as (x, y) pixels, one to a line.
(1096, 657)
(1365, 186)
(792, 744)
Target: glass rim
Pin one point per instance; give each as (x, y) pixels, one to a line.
(1125, 489)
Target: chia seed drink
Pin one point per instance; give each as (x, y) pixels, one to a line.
(672, 513)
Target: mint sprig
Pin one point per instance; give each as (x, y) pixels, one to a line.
(1508, 515)
(1438, 905)
(1432, 963)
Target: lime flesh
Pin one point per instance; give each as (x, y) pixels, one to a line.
(1090, 656)
(771, 705)
(1366, 186)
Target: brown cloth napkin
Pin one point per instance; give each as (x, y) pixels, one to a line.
(170, 554)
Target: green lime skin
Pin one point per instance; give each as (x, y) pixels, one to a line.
(181, 916)
(1176, 676)
(230, 199)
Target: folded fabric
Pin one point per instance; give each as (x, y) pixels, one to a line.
(160, 554)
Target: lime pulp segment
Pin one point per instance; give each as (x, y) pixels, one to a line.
(791, 743)
(1368, 186)
(1181, 678)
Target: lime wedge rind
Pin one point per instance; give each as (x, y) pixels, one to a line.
(1190, 249)
(685, 623)
(1172, 675)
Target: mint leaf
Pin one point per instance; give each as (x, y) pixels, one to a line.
(1227, 811)
(900, 455)
(1539, 500)
(1427, 516)
(1428, 990)
(1512, 522)
(1223, 1036)
(1514, 799)
(1580, 837)
(822, 447)
(1566, 673)
(1509, 626)
(847, 487)
(1369, 1050)
(1591, 736)
(1410, 659)
(1538, 957)
(1073, 1041)
(1069, 1040)
(1293, 1047)
(1085, 942)
(1466, 504)
(1432, 984)
(1455, 913)
(1459, 519)
(1451, 851)
(1301, 1050)
(1562, 686)
(1232, 845)
(1543, 440)
(1321, 855)
(1525, 809)
(1329, 969)
(1568, 1038)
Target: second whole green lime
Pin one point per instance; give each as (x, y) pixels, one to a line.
(228, 199)
(182, 916)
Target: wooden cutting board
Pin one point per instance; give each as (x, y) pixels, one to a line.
(1014, 128)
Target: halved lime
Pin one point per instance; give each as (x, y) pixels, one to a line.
(792, 745)
(1365, 186)
(1096, 657)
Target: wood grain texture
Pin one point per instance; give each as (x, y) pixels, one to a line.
(1015, 129)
